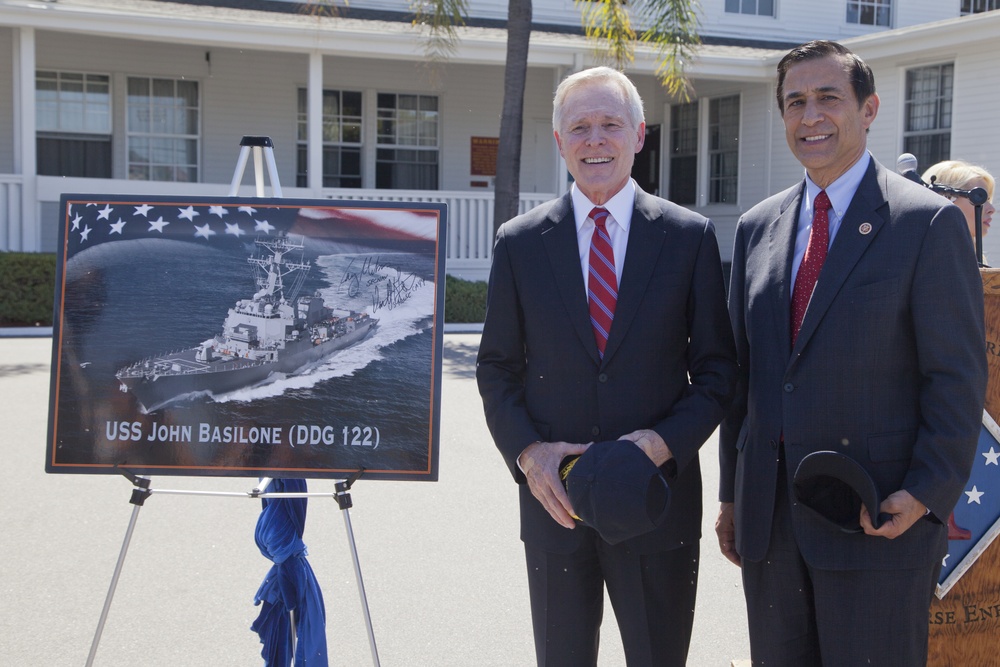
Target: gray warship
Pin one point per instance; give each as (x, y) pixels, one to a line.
(262, 336)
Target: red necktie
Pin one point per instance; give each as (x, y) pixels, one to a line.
(602, 284)
(812, 261)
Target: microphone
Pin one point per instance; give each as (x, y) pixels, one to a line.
(906, 166)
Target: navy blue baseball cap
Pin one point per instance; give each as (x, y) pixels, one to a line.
(833, 486)
(616, 490)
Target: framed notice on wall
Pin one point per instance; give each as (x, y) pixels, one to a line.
(247, 337)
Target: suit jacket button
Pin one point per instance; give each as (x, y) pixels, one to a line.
(595, 431)
(603, 377)
(789, 387)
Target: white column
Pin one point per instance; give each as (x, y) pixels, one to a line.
(314, 96)
(25, 234)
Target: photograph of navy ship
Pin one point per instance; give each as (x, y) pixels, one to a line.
(241, 337)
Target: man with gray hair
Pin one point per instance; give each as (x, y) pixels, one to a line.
(606, 321)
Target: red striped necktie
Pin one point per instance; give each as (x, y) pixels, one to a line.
(602, 283)
(812, 261)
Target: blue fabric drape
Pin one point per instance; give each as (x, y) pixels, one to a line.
(290, 584)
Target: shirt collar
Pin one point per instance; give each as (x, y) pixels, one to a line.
(842, 190)
(619, 206)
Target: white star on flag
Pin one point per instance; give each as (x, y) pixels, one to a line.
(105, 212)
(158, 225)
(188, 213)
(76, 222)
(116, 228)
(263, 226)
(249, 210)
(204, 231)
(974, 496)
(217, 210)
(142, 210)
(85, 233)
(234, 229)
(992, 457)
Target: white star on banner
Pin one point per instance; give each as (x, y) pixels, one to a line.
(974, 496)
(217, 210)
(992, 457)
(204, 231)
(188, 213)
(105, 212)
(116, 228)
(249, 210)
(142, 210)
(263, 226)
(85, 233)
(234, 229)
(76, 222)
(158, 225)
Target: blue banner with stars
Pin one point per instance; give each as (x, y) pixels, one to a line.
(974, 523)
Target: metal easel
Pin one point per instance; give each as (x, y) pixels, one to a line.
(263, 149)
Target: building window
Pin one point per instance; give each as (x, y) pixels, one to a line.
(927, 132)
(757, 7)
(723, 149)
(870, 12)
(406, 157)
(979, 6)
(341, 139)
(163, 135)
(73, 124)
(684, 153)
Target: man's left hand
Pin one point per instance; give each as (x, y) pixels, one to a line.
(652, 444)
(904, 510)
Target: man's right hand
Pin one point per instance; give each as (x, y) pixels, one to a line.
(725, 529)
(540, 463)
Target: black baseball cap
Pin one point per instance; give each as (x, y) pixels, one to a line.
(616, 490)
(832, 486)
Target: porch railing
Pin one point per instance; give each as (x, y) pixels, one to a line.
(470, 214)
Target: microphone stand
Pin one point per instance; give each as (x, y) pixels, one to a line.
(977, 197)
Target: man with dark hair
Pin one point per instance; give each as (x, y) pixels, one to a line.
(606, 320)
(858, 316)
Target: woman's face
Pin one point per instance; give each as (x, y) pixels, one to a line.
(970, 211)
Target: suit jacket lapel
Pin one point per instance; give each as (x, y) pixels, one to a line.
(561, 248)
(645, 242)
(858, 229)
(782, 252)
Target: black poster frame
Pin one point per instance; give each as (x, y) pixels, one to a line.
(168, 353)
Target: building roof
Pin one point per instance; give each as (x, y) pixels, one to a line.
(359, 32)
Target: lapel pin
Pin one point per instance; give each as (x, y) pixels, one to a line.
(865, 228)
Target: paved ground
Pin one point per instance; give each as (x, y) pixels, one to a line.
(442, 563)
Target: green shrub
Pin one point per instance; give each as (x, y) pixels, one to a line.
(28, 281)
(464, 300)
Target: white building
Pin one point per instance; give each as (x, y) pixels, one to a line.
(146, 97)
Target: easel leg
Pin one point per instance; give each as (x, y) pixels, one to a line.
(139, 495)
(344, 500)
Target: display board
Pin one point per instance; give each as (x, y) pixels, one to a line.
(965, 614)
(247, 337)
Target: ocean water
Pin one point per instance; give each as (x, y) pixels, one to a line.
(372, 405)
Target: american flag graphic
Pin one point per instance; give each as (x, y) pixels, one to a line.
(977, 514)
(90, 222)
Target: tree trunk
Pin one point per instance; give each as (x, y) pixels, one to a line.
(506, 195)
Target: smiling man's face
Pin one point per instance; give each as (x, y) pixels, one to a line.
(598, 140)
(825, 124)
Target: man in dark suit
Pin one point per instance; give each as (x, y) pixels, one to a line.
(888, 368)
(555, 377)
